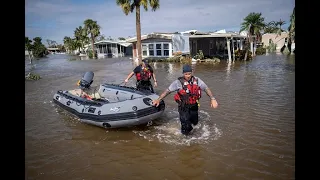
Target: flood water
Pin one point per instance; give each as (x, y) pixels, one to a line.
(251, 135)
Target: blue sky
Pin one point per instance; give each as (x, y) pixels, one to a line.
(54, 19)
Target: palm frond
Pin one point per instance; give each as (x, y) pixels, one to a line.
(125, 6)
(144, 3)
(154, 4)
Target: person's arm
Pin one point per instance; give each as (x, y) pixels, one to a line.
(131, 74)
(164, 94)
(155, 80)
(206, 89)
(172, 87)
(153, 76)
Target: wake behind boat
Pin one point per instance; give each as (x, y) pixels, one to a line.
(109, 105)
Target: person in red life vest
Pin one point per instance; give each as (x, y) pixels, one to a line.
(144, 73)
(188, 90)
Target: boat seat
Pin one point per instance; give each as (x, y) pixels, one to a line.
(96, 95)
(75, 92)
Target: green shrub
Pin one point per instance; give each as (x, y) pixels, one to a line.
(240, 54)
(260, 51)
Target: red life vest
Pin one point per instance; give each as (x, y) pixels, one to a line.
(87, 97)
(144, 75)
(190, 92)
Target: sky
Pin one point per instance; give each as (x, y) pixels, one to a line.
(54, 19)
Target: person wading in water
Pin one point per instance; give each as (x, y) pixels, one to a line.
(144, 73)
(188, 88)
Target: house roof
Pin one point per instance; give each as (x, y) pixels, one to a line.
(162, 33)
(125, 44)
(151, 35)
(106, 42)
(197, 34)
(188, 32)
(122, 43)
(276, 34)
(218, 35)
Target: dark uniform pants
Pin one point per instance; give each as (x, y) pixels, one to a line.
(145, 85)
(188, 115)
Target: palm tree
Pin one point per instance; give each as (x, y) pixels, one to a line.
(129, 6)
(70, 44)
(93, 29)
(38, 49)
(270, 27)
(83, 37)
(274, 27)
(66, 43)
(78, 35)
(253, 24)
(74, 44)
(280, 23)
(291, 29)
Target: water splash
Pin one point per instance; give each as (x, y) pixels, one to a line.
(167, 130)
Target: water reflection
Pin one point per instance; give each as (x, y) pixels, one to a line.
(195, 156)
(170, 68)
(29, 67)
(228, 70)
(193, 66)
(291, 59)
(136, 62)
(84, 58)
(173, 70)
(155, 65)
(77, 58)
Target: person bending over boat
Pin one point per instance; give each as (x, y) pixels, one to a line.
(188, 88)
(144, 72)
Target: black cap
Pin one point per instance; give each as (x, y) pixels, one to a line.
(186, 68)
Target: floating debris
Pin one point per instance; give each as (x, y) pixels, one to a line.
(32, 76)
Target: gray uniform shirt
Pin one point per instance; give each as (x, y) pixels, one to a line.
(176, 85)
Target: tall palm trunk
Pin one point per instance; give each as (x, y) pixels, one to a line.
(247, 46)
(138, 29)
(92, 43)
(82, 46)
(247, 51)
(289, 44)
(290, 39)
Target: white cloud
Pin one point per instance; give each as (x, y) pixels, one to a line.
(56, 19)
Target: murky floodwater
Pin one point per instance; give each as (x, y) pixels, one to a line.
(251, 135)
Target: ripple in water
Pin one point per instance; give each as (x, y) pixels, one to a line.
(68, 118)
(168, 131)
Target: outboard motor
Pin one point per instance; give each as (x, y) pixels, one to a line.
(86, 80)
